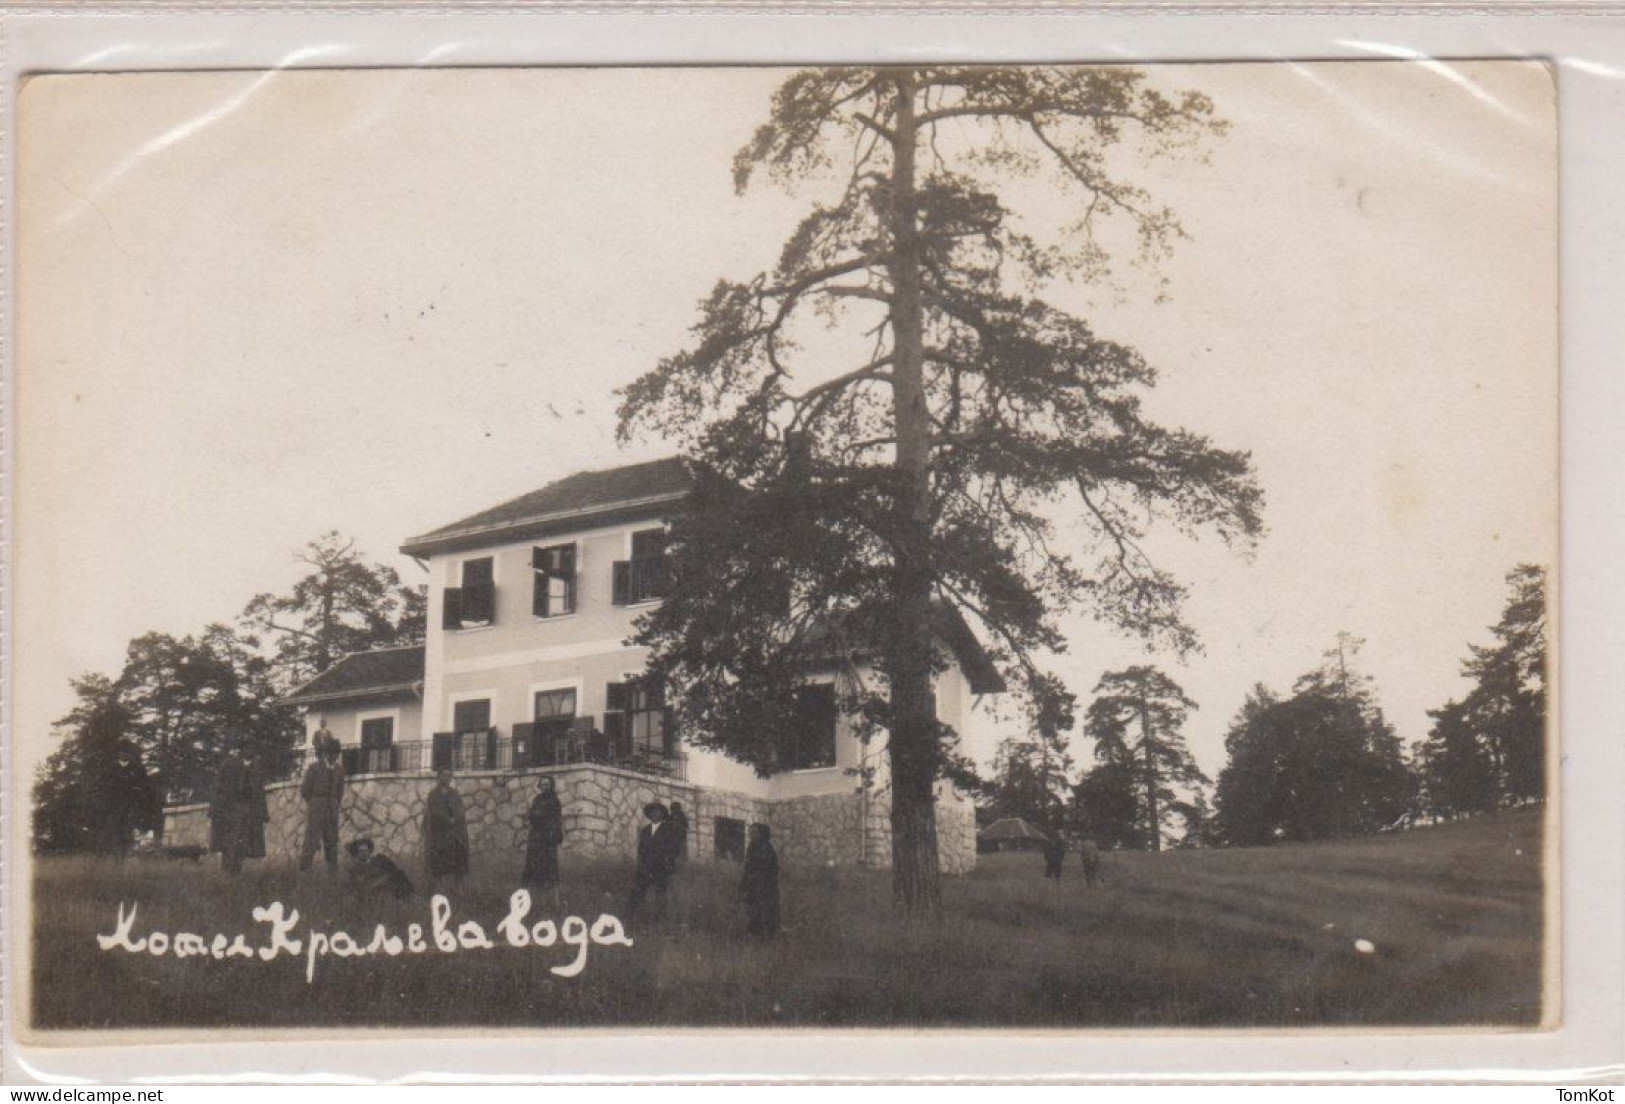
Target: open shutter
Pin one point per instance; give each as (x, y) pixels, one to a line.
(443, 753)
(621, 583)
(617, 732)
(617, 696)
(524, 744)
(451, 608)
(566, 569)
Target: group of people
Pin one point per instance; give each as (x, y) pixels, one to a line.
(662, 846)
(1055, 859)
(238, 815)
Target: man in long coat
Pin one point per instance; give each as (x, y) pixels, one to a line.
(323, 792)
(544, 833)
(445, 831)
(231, 812)
(759, 885)
(657, 859)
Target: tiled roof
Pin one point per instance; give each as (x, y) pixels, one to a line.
(383, 673)
(1011, 828)
(628, 492)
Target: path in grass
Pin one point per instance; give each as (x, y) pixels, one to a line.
(1249, 937)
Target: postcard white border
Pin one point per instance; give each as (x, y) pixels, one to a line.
(1587, 49)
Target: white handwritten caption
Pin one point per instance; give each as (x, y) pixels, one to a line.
(573, 931)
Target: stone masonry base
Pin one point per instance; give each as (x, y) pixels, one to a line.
(602, 813)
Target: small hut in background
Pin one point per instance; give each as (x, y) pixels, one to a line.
(1010, 834)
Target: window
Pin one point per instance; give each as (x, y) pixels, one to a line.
(554, 705)
(730, 839)
(475, 602)
(471, 716)
(548, 737)
(471, 744)
(635, 717)
(808, 742)
(555, 571)
(643, 577)
(377, 737)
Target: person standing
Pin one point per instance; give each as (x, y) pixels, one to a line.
(656, 858)
(759, 884)
(1054, 856)
(1089, 852)
(679, 824)
(323, 793)
(230, 813)
(544, 833)
(445, 832)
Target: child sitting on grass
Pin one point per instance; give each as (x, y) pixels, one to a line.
(372, 873)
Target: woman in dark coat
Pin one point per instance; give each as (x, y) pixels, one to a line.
(544, 834)
(759, 887)
(445, 832)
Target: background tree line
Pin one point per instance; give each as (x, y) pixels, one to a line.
(153, 734)
(1321, 762)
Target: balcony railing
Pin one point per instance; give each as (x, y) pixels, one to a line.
(539, 744)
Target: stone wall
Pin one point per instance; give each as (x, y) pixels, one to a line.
(602, 812)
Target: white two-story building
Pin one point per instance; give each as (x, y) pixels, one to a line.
(526, 671)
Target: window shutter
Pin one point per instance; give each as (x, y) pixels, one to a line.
(566, 570)
(444, 750)
(615, 697)
(621, 583)
(524, 744)
(451, 609)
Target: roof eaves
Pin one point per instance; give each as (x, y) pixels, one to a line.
(429, 541)
(297, 698)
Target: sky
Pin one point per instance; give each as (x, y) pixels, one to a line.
(255, 307)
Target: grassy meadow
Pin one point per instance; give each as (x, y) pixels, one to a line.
(1436, 925)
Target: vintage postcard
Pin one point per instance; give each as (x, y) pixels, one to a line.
(941, 546)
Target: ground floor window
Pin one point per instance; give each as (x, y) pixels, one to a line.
(377, 740)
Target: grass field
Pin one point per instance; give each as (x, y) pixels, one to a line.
(1263, 937)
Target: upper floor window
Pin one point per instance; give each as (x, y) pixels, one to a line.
(475, 601)
(643, 577)
(555, 571)
(808, 741)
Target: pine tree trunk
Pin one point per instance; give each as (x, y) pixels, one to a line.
(916, 882)
(1150, 780)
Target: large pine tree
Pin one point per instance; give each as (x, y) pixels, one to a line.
(854, 488)
(1137, 720)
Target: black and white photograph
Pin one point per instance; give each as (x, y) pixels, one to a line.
(956, 547)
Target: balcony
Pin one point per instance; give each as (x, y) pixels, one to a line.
(533, 745)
